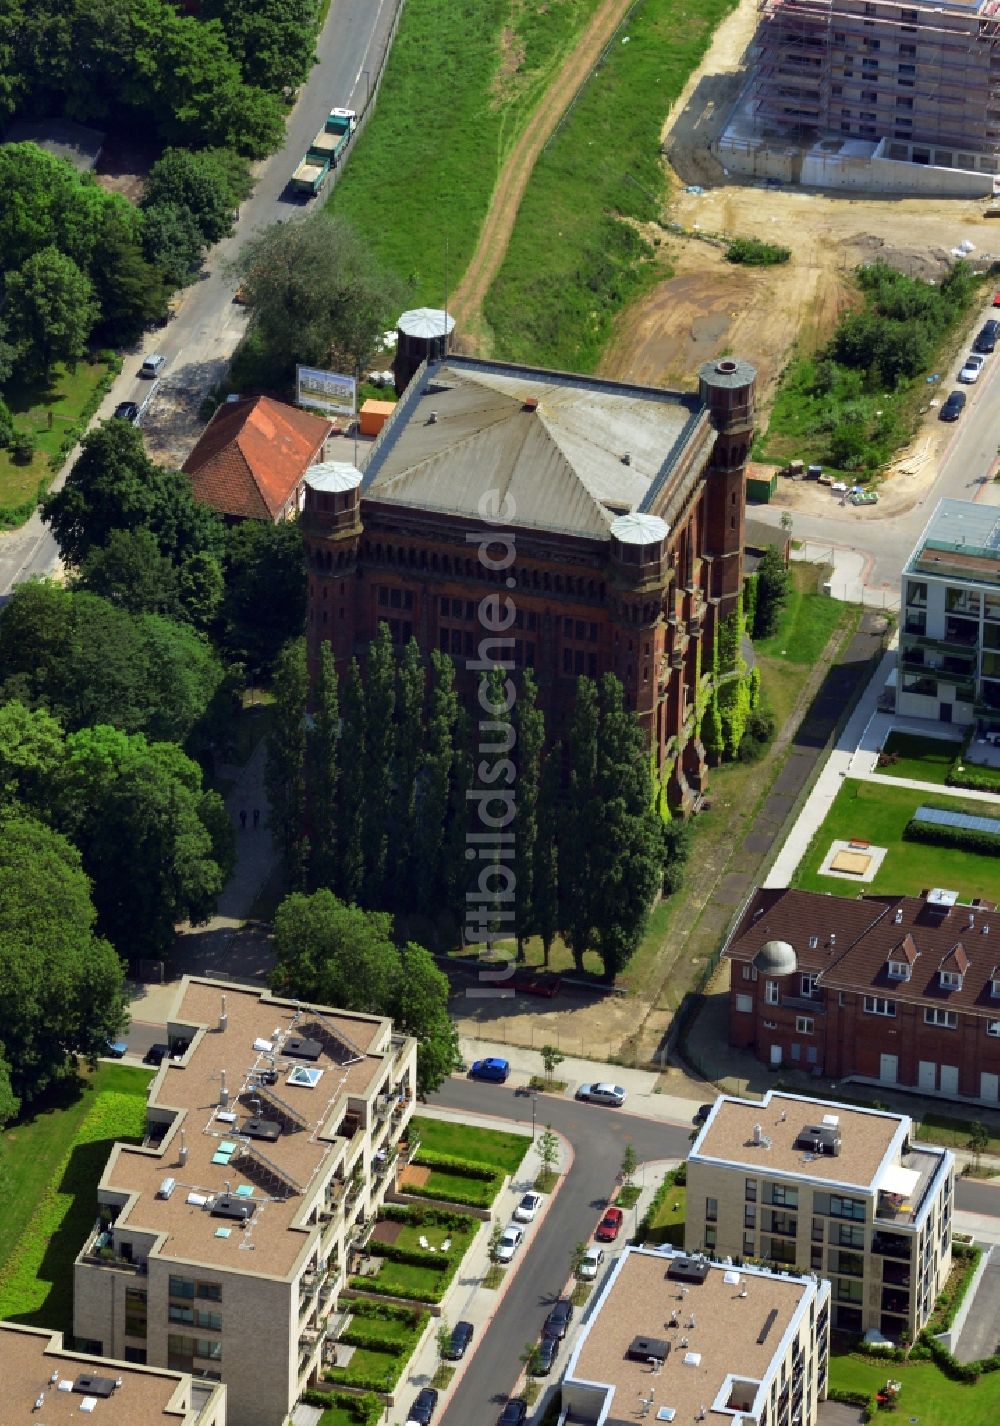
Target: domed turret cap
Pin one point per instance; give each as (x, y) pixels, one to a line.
(775, 958)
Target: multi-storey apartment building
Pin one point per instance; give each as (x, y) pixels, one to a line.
(602, 524)
(42, 1383)
(891, 989)
(829, 1189)
(949, 645)
(225, 1237)
(674, 1338)
(921, 77)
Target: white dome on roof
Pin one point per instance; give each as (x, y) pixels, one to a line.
(333, 476)
(776, 958)
(638, 529)
(426, 323)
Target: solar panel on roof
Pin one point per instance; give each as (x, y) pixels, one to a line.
(938, 817)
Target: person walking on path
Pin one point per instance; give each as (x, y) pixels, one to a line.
(256, 818)
(243, 819)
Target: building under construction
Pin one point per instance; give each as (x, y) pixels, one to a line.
(907, 84)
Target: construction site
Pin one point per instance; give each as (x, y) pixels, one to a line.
(868, 94)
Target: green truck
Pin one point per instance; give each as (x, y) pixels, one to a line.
(325, 152)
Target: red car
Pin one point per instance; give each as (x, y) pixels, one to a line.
(610, 1226)
(531, 982)
(996, 299)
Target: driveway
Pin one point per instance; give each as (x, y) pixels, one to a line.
(981, 1333)
(835, 1413)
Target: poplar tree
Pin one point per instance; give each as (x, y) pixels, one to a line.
(284, 774)
(546, 869)
(324, 737)
(351, 862)
(380, 741)
(457, 870)
(530, 726)
(575, 873)
(438, 755)
(410, 696)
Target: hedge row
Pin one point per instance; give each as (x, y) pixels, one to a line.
(360, 1336)
(866, 1404)
(481, 1198)
(964, 838)
(413, 1257)
(367, 1410)
(387, 1311)
(971, 778)
(367, 1284)
(949, 1364)
(948, 1303)
(462, 1168)
(435, 1217)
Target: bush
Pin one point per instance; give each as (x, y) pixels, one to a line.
(754, 253)
(964, 838)
(414, 1257)
(366, 1410)
(6, 424)
(463, 1168)
(475, 1196)
(410, 1294)
(976, 779)
(386, 1311)
(418, 1215)
(22, 447)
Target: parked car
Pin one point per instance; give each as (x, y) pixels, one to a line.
(953, 406)
(528, 1207)
(156, 1054)
(423, 1408)
(557, 1322)
(510, 1241)
(592, 1260)
(548, 1350)
(610, 1094)
(494, 1070)
(986, 337)
(610, 1226)
(116, 1049)
(127, 411)
(153, 365)
(996, 299)
(971, 370)
(460, 1341)
(528, 982)
(515, 1412)
(702, 1113)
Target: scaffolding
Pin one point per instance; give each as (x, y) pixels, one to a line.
(921, 77)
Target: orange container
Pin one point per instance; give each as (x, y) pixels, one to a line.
(373, 416)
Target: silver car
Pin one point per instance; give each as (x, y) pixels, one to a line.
(610, 1094)
(153, 365)
(592, 1260)
(509, 1243)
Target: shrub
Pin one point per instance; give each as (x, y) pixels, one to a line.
(475, 1195)
(419, 1215)
(22, 447)
(6, 424)
(410, 1294)
(414, 1257)
(964, 838)
(462, 1167)
(755, 253)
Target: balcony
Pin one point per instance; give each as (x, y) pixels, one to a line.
(892, 1245)
(99, 1251)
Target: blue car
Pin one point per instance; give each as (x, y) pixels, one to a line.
(494, 1070)
(116, 1049)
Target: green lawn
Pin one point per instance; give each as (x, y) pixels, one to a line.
(339, 1416)
(48, 413)
(367, 1364)
(410, 1235)
(667, 1223)
(920, 759)
(461, 83)
(50, 1165)
(927, 1393)
(491, 1147)
(807, 620)
(878, 814)
(458, 1188)
(574, 261)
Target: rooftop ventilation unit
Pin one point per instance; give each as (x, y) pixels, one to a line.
(640, 1349)
(239, 1209)
(760, 1139)
(299, 1048)
(820, 1139)
(166, 1188)
(257, 1128)
(688, 1270)
(88, 1385)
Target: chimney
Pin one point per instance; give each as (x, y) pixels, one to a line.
(833, 938)
(223, 1091)
(183, 1155)
(757, 1135)
(223, 1015)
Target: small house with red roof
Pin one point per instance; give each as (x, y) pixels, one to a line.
(251, 458)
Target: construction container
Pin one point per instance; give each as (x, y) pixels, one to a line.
(760, 487)
(373, 416)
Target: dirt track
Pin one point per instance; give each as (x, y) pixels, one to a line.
(498, 224)
(706, 306)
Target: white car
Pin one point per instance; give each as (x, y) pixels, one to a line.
(509, 1243)
(610, 1094)
(528, 1207)
(592, 1260)
(970, 371)
(153, 365)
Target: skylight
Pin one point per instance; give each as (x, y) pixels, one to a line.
(305, 1076)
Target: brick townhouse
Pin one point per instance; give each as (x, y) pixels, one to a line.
(897, 990)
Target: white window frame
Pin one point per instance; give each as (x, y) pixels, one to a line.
(807, 985)
(804, 1024)
(898, 970)
(995, 989)
(880, 1005)
(950, 979)
(744, 1004)
(749, 972)
(942, 1019)
(993, 1028)
(772, 992)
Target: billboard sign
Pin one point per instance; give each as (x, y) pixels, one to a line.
(326, 390)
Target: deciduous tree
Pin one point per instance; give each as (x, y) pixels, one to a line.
(285, 773)
(51, 307)
(529, 724)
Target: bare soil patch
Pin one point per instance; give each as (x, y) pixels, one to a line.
(386, 1231)
(124, 163)
(416, 1174)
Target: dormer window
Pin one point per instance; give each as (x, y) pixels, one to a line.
(898, 970)
(995, 989)
(813, 942)
(949, 980)
(808, 985)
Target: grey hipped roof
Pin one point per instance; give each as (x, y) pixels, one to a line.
(570, 453)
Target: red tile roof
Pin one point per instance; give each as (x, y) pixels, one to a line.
(252, 455)
(849, 944)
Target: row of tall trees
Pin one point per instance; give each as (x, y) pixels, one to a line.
(385, 793)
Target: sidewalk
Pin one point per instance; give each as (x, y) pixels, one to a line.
(849, 572)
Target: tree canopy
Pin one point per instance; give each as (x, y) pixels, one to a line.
(330, 953)
(61, 986)
(315, 294)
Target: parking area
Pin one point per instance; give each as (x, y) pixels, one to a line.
(980, 1336)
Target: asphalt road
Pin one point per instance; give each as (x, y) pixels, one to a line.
(200, 339)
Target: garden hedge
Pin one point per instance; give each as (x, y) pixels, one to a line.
(462, 1168)
(964, 838)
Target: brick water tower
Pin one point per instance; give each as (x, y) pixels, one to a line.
(424, 334)
(728, 388)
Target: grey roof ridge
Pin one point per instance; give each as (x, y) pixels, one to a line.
(601, 510)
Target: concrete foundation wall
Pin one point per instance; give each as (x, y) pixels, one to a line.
(862, 174)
